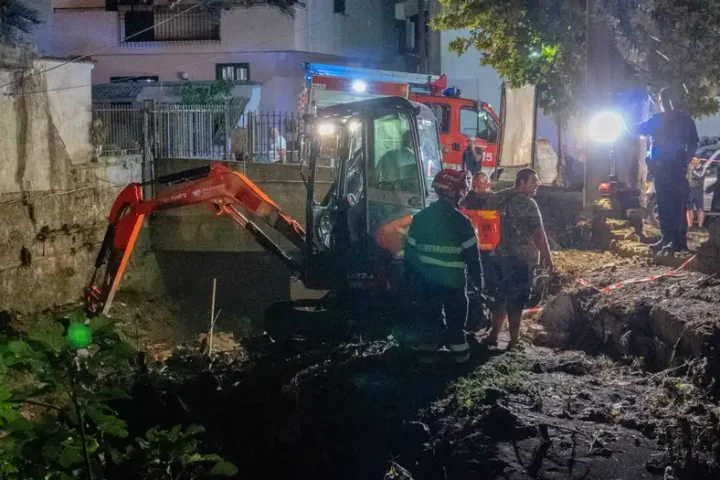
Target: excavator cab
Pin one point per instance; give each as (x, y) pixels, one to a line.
(384, 153)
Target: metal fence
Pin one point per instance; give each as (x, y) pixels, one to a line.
(212, 132)
(117, 130)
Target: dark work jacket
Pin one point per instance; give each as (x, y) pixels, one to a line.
(474, 201)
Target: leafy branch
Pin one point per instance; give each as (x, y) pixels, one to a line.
(73, 372)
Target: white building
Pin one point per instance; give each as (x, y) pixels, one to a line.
(150, 40)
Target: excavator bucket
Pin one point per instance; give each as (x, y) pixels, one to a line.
(117, 246)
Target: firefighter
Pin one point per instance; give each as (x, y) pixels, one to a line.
(441, 246)
(476, 200)
(674, 141)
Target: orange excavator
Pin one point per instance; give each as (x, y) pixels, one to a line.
(349, 252)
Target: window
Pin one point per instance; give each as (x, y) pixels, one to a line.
(139, 26)
(478, 124)
(487, 127)
(442, 114)
(165, 26)
(429, 150)
(395, 164)
(469, 121)
(232, 71)
(339, 6)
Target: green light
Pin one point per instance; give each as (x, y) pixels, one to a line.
(79, 336)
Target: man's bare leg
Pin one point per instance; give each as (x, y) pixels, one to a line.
(701, 217)
(498, 319)
(514, 317)
(689, 216)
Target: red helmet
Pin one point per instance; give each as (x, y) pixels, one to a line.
(449, 183)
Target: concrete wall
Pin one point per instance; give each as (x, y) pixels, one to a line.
(196, 228)
(53, 201)
(44, 125)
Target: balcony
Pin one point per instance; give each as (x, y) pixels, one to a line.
(153, 27)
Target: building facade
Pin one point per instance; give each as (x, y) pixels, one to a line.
(164, 41)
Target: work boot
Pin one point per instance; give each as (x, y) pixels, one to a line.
(669, 249)
(426, 353)
(460, 351)
(657, 246)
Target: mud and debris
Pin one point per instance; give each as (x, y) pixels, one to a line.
(609, 385)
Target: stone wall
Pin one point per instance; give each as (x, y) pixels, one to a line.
(54, 201)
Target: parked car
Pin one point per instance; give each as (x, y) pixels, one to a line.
(709, 156)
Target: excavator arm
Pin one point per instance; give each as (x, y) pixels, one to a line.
(216, 185)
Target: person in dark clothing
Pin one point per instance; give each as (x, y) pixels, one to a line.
(674, 141)
(440, 252)
(472, 158)
(480, 192)
(476, 200)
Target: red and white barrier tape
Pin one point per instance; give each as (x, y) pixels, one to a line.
(618, 285)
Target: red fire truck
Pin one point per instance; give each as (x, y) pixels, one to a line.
(458, 118)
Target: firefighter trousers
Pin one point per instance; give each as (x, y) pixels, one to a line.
(672, 190)
(438, 317)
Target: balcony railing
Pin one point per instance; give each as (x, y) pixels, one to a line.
(150, 27)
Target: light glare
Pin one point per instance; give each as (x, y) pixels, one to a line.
(606, 127)
(359, 86)
(326, 128)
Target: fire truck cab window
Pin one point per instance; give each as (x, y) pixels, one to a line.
(487, 127)
(478, 124)
(469, 121)
(442, 114)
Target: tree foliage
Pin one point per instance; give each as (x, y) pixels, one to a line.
(525, 41)
(58, 385)
(16, 19)
(663, 42)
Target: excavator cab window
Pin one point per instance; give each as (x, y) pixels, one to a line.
(395, 184)
(429, 151)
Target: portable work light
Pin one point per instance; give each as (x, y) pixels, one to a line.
(606, 127)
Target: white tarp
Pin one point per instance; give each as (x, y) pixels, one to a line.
(517, 116)
(545, 160)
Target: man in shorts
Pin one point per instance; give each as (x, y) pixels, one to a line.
(523, 243)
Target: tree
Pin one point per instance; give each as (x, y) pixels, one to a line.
(663, 43)
(525, 41)
(16, 20)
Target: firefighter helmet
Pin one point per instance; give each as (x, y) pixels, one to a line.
(449, 183)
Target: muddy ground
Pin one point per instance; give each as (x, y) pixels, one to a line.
(616, 385)
(584, 408)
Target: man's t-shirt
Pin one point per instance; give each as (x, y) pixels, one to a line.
(520, 218)
(470, 163)
(671, 133)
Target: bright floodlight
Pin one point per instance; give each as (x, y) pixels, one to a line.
(359, 86)
(606, 127)
(354, 125)
(326, 128)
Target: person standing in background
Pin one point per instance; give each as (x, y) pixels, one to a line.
(472, 158)
(674, 141)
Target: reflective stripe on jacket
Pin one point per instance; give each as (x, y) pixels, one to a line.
(437, 244)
